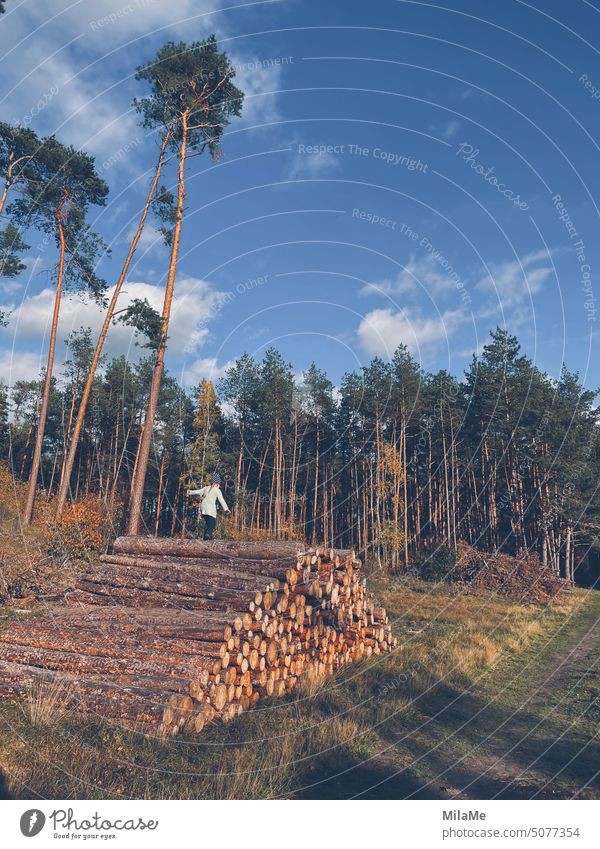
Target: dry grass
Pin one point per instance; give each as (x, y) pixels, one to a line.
(311, 684)
(45, 703)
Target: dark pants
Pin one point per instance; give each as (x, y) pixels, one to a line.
(210, 523)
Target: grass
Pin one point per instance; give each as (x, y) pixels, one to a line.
(330, 739)
(45, 704)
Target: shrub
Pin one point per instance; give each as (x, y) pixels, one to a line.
(437, 563)
(84, 527)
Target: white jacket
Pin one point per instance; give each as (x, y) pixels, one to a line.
(210, 496)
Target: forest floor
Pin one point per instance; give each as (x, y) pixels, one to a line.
(484, 698)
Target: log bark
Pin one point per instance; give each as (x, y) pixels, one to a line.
(113, 580)
(146, 618)
(95, 594)
(241, 576)
(141, 646)
(271, 571)
(213, 549)
(97, 665)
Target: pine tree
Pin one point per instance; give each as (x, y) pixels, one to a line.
(317, 408)
(238, 389)
(56, 200)
(192, 98)
(208, 427)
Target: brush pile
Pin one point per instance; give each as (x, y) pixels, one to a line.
(169, 634)
(524, 579)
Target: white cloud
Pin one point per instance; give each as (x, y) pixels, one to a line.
(53, 92)
(72, 65)
(252, 333)
(9, 287)
(469, 352)
(193, 306)
(260, 80)
(21, 365)
(516, 281)
(381, 331)
(420, 272)
(205, 368)
(311, 165)
(450, 129)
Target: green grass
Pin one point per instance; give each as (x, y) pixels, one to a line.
(336, 740)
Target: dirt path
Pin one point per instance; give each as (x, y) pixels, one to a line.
(529, 731)
(533, 746)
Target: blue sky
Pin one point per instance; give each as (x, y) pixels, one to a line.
(403, 172)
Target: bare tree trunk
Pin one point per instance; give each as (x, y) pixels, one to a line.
(404, 487)
(160, 493)
(256, 503)
(39, 439)
(68, 467)
(293, 475)
(67, 430)
(568, 553)
(316, 492)
(137, 485)
(545, 548)
(28, 440)
(238, 507)
(5, 191)
(175, 509)
(446, 481)
(54, 464)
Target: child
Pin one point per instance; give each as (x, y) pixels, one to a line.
(208, 506)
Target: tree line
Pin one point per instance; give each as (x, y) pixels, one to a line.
(393, 461)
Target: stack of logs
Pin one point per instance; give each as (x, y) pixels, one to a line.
(169, 634)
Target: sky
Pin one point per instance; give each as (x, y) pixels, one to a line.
(403, 172)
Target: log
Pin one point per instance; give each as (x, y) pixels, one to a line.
(200, 625)
(126, 597)
(70, 692)
(115, 645)
(149, 569)
(111, 627)
(213, 549)
(96, 582)
(234, 569)
(91, 613)
(101, 665)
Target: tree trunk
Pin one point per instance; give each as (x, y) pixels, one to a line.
(159, 496)
(37, 453)
(68, 468)
(137, 484)
(316, 492)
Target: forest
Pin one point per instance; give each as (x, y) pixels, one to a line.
(392, 462)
